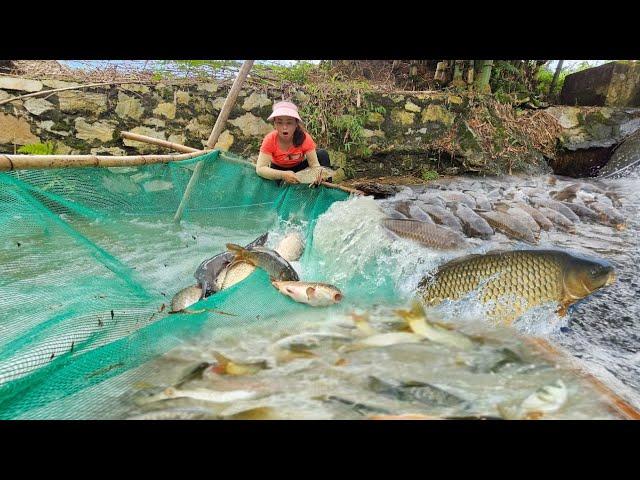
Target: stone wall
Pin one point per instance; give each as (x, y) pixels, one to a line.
(614, 84)
(433, 131)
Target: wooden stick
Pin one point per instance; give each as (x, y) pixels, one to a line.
(215, 133)
(184, 148)
(344, 189)
(23, 162)
(42, 92)
(156, 141)
(617, 403)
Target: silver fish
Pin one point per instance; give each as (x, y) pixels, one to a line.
(567, 193)
(185, 298)
(510, 226)
(267, 259)
(554, 205)
(443, 216)
(415, 391)
(311, 174)
(429, 235)
(558, 219)
(431, 198)
(541, 220)
(416, 213)
(482, 202)
(520, 214)
(209, 270)
(458, 197)
(608, 215)
(582, 211)
(312, 293)
(473, 224)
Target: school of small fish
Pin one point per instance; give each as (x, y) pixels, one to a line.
(327, 374)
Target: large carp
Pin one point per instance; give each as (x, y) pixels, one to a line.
(209, 270)
(429, 235)
(270, 260)
(524, 278)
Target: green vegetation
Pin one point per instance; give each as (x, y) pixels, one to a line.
(298, 73)
(428, 175)
(47, 148)
(545, 76)
(336, 111)
(197, 68)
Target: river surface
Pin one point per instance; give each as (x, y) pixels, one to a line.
(331, 372)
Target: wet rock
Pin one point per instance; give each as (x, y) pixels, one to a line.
(256, 100)
(145, 147)
(250, 125)
(102, 131)
(182, 98)
(435, 113)
(78, 101)
(16, 130)
(48, 126)
(402, 117)
(208, 87)
(20, 84)
(412, 107)
(37, 106)
(129, 107)
(625, 159)
(167, 110)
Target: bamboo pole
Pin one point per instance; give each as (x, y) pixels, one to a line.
(156, 141)
(77, 87)
(215, 133)
(184, 148)
(23, 162)
(616, 403)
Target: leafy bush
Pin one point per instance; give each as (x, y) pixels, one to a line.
(428, 175)
(47, 148)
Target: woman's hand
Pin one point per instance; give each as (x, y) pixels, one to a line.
(290, 177)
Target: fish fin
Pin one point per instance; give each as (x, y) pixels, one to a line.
(240, 252)
(311, 292)
(221, 359)
(563, 309)
(258, 242)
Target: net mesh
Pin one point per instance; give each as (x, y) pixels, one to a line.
(90, 259)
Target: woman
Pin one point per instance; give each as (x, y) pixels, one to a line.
(289, 148)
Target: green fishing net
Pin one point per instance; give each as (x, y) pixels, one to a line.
(90, 259)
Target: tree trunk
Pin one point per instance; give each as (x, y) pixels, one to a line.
(482, 81)
(555, 78)
(457, 74)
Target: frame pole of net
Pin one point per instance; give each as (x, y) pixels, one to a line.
(215, 133)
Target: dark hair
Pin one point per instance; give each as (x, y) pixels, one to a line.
(298, 136)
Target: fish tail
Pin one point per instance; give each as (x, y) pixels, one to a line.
(237, 249)
(221, 359)
(241, 255)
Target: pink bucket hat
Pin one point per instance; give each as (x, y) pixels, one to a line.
(284, 109)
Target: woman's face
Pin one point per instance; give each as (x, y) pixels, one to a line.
(285, 127)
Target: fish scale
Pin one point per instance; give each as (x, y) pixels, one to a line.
(533, 278)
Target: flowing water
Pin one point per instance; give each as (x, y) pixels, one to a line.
(335, 377)
(331, 373)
